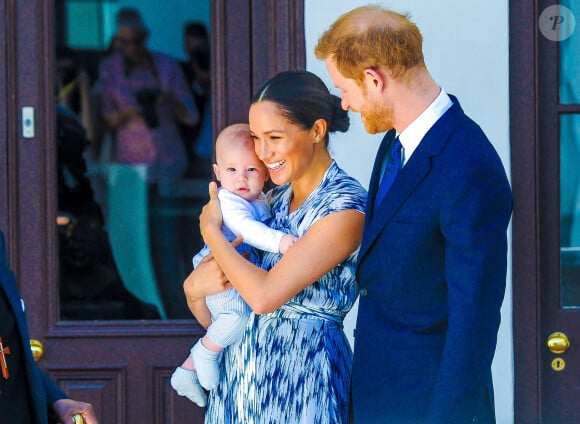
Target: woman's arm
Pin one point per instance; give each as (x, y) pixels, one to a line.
(326, 244)
(206, 279)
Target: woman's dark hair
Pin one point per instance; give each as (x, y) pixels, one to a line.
(303, 98)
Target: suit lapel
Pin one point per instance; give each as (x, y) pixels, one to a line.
(407, 181)
(409, 178)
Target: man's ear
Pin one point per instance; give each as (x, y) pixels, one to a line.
(374, 79)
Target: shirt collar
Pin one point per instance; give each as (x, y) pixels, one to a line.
(414, 133)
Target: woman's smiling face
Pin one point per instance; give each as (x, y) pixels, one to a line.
(286, 148)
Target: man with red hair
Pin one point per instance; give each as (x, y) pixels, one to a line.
(433, 259)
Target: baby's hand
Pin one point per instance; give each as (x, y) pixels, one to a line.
(287, 242)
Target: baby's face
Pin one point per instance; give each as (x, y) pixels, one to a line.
(240, 171)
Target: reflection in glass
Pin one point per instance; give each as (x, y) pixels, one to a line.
(570, 210)
(126, 238)
(570, 60)
(569, 161)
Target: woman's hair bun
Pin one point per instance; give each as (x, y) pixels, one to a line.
(340, 120)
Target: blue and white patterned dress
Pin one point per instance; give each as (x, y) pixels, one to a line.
(293, 365)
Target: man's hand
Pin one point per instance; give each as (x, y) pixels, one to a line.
(66, 408)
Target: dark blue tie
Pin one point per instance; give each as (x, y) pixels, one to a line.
(392, 168)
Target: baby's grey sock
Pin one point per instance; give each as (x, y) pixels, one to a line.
(206, 364)
(186, 383)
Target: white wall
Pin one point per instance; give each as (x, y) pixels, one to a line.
(466, 50)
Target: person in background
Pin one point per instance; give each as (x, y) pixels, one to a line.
(245, 213)
(27, 394)
(90, 286)
(293, 362)
(198, 138)
(144, 94)
(433, 259)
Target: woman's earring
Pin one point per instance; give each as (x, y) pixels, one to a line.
(317, 141)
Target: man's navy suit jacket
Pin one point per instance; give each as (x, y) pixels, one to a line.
(43, 391)
(432, 271)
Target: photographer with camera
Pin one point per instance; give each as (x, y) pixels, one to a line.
(145, 96)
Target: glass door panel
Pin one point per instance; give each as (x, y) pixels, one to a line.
(570, 210)
(569, 89)
(569, 50)
(126, 237)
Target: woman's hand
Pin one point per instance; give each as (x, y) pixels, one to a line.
(206, 279)
(210, 220)
(117, 119)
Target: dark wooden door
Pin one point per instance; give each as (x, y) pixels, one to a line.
(121, 366)
(545, 108)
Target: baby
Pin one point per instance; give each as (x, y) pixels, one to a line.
(244, 209)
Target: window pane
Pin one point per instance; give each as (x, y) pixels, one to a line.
(570, 210)
(84, 24)
(570, 60)
(129, 194)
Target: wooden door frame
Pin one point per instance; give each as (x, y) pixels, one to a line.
(276, 44)
(532, 82)
(525, 253)
(28, 83)
(5, 135)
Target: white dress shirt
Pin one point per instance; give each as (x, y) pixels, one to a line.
(414, 133)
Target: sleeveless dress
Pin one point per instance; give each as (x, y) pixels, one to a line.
(293, 365)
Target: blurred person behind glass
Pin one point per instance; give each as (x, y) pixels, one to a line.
(144, 93)
(144, 96)
(196, 69)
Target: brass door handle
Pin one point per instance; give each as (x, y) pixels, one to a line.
(37, 349)
(558, 342)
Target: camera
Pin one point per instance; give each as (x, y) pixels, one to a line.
(147, 98)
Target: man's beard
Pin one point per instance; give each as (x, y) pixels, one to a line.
(377, 117)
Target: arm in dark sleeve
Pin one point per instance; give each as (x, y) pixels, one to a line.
(474, 224)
